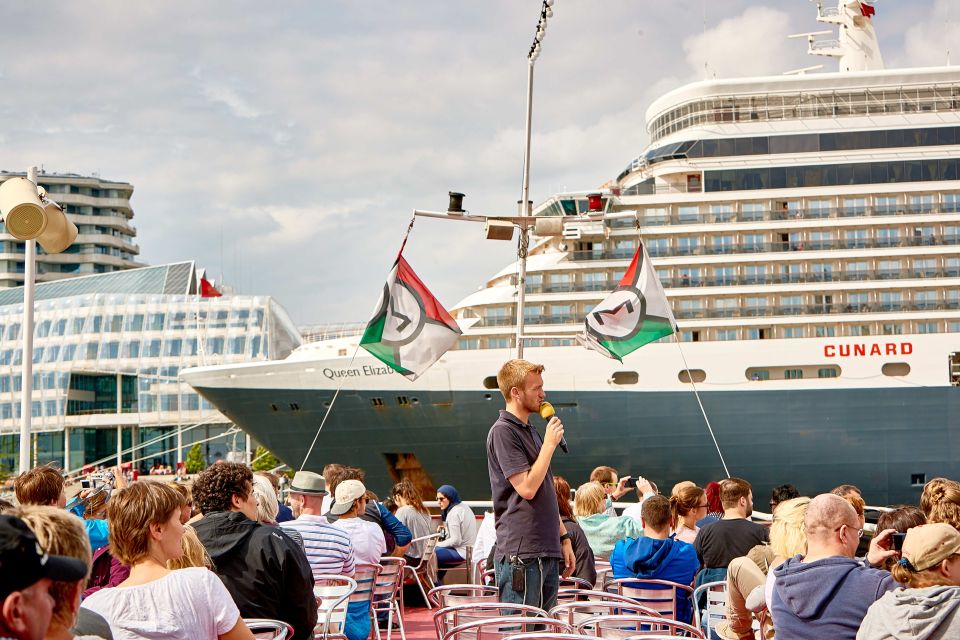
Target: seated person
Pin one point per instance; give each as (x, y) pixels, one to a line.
(602, 531)
(460, 525)
(146, 533)
(26, 578)
(658, 555)
(613, 485)
(929, 606)
(733, 536)
(940, 501)
(586, 566)
(414, 516)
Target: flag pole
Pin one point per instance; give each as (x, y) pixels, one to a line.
(336, 393)
(332, 401)
(693, 384)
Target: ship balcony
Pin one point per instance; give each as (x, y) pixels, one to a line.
(659, 219)
(726, 248)
(814, 310)
(792, 278)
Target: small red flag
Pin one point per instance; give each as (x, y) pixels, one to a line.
(866, 10)
(207, 290)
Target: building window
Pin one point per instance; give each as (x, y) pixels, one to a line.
(792, 374)
(727, 334)
(215, 346)
(110, 350)
(131, 349)
(151, 349)
(927, 327)
(135, 322)
(828, 372)
(892, 329)
(468, 343)
(238, 345)
(825, 331)
(155, 322)
(173, 347)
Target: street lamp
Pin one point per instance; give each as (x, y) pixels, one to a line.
(30, 215)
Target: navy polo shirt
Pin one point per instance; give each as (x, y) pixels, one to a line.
(527, 528)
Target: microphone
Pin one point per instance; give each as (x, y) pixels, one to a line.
(546, 412)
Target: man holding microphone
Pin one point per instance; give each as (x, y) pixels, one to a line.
(531, 540)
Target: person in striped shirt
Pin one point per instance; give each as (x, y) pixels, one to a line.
(328, 547)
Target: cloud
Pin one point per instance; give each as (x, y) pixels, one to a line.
(751, 44)
(227, 96)
(933, 38)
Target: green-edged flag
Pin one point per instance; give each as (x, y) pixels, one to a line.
(637, 312)
(410, 329)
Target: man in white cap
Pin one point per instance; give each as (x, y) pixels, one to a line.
(368, 541)
(328, 547)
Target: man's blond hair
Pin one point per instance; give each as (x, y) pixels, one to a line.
(60, 533)
(514, 373)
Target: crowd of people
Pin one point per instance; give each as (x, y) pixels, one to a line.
(160, 559)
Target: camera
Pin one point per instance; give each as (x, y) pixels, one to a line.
(631, 483)
(897, 541)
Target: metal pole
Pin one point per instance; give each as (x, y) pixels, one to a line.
(26, 369)
(524, 241)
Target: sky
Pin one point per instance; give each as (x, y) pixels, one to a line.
(284, 146)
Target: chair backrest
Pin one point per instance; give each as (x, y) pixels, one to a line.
(576, 612)
(265, 629)
(659, 595)
(716, 604)
(623, 627)
(604, 572)
(388, 582)
(479, 568)
(541, 635)
(574, 583)
(366, 577)
(333, 595)
(489, 576)
(580, 595)
(453, 616)
(503, 626)
(429, 549)
(453, 594)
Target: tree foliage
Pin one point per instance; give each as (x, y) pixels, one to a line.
(195, 462)
(264, 460)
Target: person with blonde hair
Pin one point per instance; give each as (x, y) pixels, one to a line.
(267, 504)
(940, 501)
(60, 533)
(194, 554)
(603, 531)
(689, 504)
(145, 533)
(928, 608)
(750, 578)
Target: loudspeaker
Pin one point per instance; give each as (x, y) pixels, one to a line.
(23, 212)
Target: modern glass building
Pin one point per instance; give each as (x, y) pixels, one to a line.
(107, 353)
(105, 241)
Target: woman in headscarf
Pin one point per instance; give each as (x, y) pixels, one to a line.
(460, 524)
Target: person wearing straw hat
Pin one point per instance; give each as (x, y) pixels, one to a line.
(929, 607)
(329, 549)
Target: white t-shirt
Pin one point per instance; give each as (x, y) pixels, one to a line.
(186, 604)
(367, 538)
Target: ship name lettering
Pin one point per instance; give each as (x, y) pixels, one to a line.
(333, 374)
(876, 349)
(372, 370)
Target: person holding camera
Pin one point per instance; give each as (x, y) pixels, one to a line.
(531, 539)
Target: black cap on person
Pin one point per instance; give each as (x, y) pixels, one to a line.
(23, 561)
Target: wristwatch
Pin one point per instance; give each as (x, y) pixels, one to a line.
(565, 536)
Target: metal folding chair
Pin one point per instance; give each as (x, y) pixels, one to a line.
(332, 594)
(659, 595)
(504, 626)
(265, 629)
(623, 627)
(449, 618)
(386, 589)
(715, 594)
(574, 583)
(543, 635)
(575, 612)
(420, 573)
(453, 594)
(565, 596)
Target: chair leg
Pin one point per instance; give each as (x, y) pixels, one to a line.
(422, 590)
(403, 633)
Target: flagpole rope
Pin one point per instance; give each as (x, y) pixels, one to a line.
(335, 394)
(699, 402)
(413, 218)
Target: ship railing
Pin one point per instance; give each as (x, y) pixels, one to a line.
(659, 219)
(657, 247)
(837, 308)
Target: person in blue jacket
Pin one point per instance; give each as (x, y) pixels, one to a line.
(658, 555)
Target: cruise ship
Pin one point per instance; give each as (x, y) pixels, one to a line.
(806, 230)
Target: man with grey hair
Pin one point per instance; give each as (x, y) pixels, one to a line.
(826, 593)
